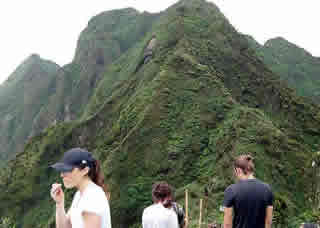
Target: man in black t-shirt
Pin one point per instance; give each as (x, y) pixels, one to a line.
(249, 201)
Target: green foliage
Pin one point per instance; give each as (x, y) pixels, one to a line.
(29, 104)
(21, 98)
(181, 117)
(6, 223)
(293, 64)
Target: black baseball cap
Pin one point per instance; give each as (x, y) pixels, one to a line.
(75, 157)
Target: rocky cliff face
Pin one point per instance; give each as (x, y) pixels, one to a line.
(204, 98)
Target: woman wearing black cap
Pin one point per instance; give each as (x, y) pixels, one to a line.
(90, 206)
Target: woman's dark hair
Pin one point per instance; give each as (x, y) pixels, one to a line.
(162, 191)
(96, 175)
(244, 162)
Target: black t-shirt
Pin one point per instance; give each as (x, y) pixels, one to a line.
(249, 200)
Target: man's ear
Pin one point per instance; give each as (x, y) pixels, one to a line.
(237, 171)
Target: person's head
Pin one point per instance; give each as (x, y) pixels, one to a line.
(243, 166)
(212, 225)
(77, 166)
(309, 225)
(162, 192)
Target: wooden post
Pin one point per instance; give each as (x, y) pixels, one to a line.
(187, 208)
(200, 215)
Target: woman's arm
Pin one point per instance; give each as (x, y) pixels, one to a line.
(91, 220)
(62, 219)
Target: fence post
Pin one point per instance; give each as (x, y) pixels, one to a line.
(187, 208)
(200, 215)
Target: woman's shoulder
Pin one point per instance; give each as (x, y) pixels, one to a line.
(94, 195)
(95, 191)
(153, 207)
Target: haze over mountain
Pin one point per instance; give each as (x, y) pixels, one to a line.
(204, 97)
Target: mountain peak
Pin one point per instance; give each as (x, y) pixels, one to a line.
(277, 41)
(34, 56)
(34, 62)
(284, 46)
(99, 18)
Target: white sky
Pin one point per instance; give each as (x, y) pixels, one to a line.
(51, 28)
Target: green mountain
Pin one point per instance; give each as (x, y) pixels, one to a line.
(293, 64)
(107, 36)
(204, 98)
(40, 93)
(21, 97)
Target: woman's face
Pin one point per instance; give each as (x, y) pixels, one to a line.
(74, 178)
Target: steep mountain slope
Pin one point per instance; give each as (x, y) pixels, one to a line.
(293, 64)
(107, 36)
(29, 105)
(204, 98)
(21, 97)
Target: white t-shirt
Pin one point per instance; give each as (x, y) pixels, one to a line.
(93, 200)
(157, 216)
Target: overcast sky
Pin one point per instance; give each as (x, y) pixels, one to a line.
(51, 28)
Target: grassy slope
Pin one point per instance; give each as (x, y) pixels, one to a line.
(293, 64)
(101, 42)
(30, 105)
(21, 98)
(204, 98)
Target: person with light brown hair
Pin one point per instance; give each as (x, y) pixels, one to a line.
(248, 203)
(157, 215)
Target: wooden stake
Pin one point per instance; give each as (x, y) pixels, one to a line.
(200, 216)
(187, 208)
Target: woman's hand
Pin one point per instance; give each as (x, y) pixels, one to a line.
(57, 194)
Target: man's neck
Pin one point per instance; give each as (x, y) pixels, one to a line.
(246, 177)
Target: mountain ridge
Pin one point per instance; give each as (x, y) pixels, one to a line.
(292, 63)
(71, 87)
(204, 98)
(21, 97)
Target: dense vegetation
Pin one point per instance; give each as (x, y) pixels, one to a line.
(40, 93)
(21, 97)
(204, 98)
(293, 64)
